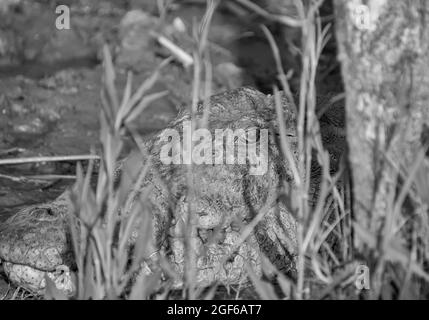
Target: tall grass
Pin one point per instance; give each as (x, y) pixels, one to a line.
(315, 255)
(106, 220)
(327, 234)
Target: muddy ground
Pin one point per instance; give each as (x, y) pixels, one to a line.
(50, 79)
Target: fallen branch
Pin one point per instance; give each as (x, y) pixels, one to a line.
(48, 159)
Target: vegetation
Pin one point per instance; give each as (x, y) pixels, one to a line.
(332, 245)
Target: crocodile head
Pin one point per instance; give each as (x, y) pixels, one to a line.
(35, 242)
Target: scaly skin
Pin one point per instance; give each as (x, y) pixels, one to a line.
(35, 241)
(225, 199)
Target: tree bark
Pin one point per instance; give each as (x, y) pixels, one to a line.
(383, 47)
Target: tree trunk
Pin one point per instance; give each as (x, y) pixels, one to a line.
(383, 49)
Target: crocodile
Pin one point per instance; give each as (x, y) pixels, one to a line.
(35, 242)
